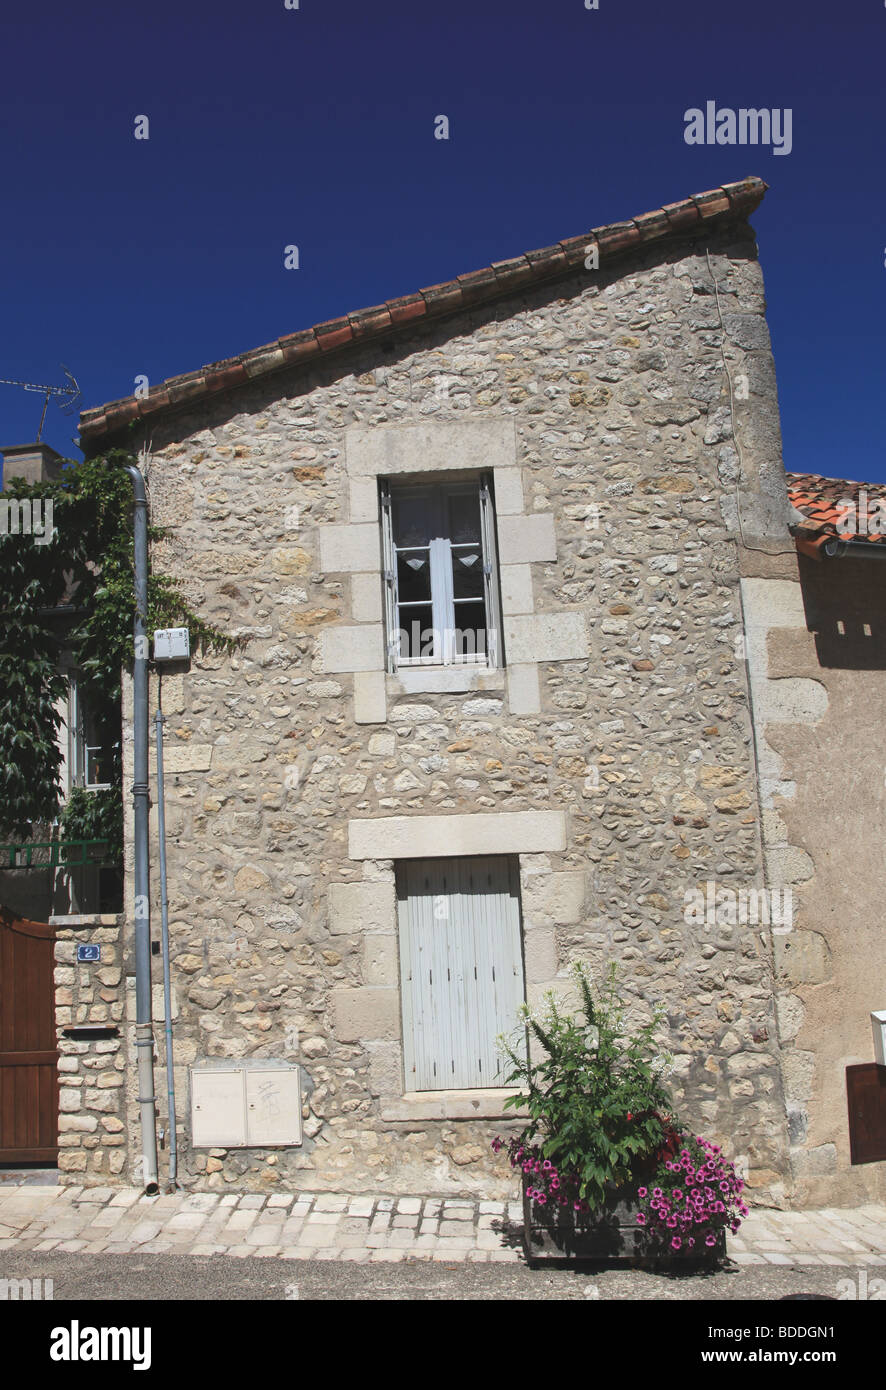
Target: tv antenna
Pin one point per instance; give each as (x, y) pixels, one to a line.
(70, 393)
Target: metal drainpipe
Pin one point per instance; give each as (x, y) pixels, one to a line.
(164, 937)
(855, 550)
(144, 1036)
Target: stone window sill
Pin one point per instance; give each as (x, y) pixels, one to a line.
(88, 919)
(444, 680)
(451, 1105)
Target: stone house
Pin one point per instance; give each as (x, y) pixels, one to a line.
(512, 566)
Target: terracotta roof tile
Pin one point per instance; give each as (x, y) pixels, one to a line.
(682, 216)
(368, 321)
(406, 308)
(547, 259)
(712, 204)
(476, 285)
(652, 224)
(511, 274)
(575, 248)
(219, 378)
(836, 508)
(297, 347)
(439, 299)
(733, 200)
(617, 237)
(182, 388)
(159, 400)
(269, 360)
(334, 334)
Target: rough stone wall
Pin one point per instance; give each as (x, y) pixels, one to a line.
(92, 1133)
(621, 410)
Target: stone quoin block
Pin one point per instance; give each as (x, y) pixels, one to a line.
(381, 961)
(526, 539)
(365, 906)
(516, 589)
(370, 697)
(508, 484)
(367, 1013)
(540, 952)
(366, 598)
(524, 690)
(351, 648)
(364, 500)
(557, 898)
(546, 637)
(385, 1068)
(346, 548)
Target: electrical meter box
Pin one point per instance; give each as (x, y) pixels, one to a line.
(878, 1026)
(172, 644)
(253, 1105)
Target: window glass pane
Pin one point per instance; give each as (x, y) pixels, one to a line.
(416, 632)
(470, 629)
(411, 520)
(464, 517)
(99, 765)
(413, 576)
(467, 572)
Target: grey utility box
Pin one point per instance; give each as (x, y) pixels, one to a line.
(172, 644)
(248, 1104)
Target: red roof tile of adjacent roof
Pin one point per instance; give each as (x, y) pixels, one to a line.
(731, 202)
(836, 509)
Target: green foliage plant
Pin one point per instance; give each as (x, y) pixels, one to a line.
(75, 592)
(597, 1104)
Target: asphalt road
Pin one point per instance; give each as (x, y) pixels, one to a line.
(163, 1278)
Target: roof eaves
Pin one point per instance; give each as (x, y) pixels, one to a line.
(501, 278)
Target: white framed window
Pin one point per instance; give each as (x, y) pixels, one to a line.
(92, 751)
(442, 603)
(461, 969)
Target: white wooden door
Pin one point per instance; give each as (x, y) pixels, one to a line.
(461, 967)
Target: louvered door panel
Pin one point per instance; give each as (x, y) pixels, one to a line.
(462, 968)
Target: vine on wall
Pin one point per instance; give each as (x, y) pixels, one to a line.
(74, 594)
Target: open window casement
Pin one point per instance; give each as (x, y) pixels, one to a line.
(490, 574)
(91, 747)
(389, 577)
(440, 575)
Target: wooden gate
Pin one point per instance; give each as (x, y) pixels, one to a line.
(28, 1048)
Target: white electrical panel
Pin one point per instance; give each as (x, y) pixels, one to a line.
(172, 644)
(878, 1023)
(218, 1110)
(254, 1105)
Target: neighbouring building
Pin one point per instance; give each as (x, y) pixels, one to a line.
(531, 672)
(54, 885)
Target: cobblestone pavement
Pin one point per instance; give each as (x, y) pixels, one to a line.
(327, 1226)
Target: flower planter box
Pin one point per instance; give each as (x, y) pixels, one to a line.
(610, 1235)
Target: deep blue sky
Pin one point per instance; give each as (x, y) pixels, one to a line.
(315, 127)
